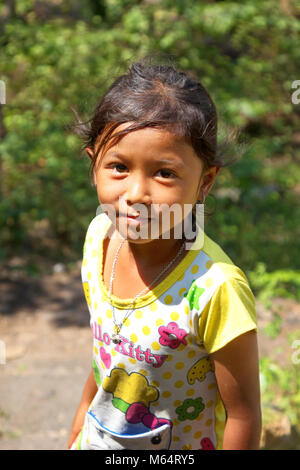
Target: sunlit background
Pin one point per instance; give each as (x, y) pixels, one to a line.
(61, 54)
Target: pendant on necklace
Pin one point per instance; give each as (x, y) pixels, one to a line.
(115, 337)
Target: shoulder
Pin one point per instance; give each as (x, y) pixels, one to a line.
(97, 228)
(227, 309)
(92, 247)
(96, 232)
(231, 283)
(216, 266)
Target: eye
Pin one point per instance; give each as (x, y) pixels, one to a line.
(119, 168)
(166, 174)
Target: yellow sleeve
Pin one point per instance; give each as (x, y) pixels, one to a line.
(229, 313)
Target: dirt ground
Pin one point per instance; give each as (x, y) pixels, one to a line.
(44, 325)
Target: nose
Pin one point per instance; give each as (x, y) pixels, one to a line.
(138, 190)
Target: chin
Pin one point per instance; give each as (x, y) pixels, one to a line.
(135, 238)
(137, 232)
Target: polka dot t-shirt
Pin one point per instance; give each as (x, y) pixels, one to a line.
(157, 388)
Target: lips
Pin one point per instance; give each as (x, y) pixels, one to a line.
(135, 216)
(136, 220)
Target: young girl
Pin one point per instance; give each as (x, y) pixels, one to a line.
(175, 361)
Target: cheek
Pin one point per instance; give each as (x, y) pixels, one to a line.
(107, 189)
(179, 196)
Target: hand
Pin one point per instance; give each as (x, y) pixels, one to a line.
(89, 391)
(73, 436)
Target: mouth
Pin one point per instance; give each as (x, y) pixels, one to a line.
(135, 219)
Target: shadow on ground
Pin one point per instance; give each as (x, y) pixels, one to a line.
(60, 294)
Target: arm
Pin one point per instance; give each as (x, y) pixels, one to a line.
(237, 374)
(89, 391)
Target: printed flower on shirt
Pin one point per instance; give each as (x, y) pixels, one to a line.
(190, 409)
(172, 336)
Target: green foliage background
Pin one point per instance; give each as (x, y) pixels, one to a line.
(60, 54)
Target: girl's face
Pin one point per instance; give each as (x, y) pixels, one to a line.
(149, 167)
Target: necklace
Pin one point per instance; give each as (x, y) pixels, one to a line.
(117, 327)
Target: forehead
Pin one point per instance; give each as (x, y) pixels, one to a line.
(148, 139)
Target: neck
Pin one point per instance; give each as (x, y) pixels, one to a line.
(155, 252)
(152, 253)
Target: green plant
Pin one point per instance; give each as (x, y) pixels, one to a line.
(273, 329)
(280, 283)
(280, 388)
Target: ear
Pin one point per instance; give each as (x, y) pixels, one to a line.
(90, 153)
(207, 182)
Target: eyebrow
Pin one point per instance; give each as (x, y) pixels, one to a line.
(172, 162)
(163, 160)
